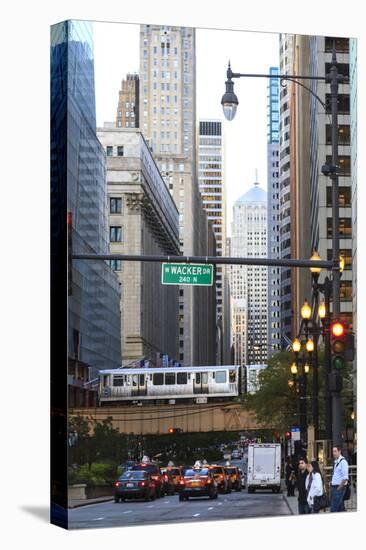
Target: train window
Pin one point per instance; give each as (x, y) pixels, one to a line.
(158, 379)
(170, 378)
(142, 380)
(198, 378)
(117, 381)
(204, 378)
(134, 380)
(105, 380)
(220, 376)
(182, 378)
(232, 376)
(128, 380)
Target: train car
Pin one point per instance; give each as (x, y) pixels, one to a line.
(196, 384)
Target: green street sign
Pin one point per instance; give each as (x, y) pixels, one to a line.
(187, 274)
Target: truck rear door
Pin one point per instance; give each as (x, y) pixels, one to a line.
(264, 464)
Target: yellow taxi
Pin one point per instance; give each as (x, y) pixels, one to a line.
(234, 475)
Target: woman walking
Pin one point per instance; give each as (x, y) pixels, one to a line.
(313, 484)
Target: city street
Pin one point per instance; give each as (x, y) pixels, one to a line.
(168, 509)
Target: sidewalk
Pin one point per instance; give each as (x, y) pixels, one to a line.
(292, 502)
(75, 503)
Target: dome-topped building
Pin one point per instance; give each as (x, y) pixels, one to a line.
(249, 283)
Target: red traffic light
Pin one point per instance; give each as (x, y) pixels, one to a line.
(338, 329)
(171, 430)
(287, 435)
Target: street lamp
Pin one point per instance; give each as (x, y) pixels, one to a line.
(229, 100)
(322, 311)
(296, 345)
(310, 346)
(294, 369)
(306, 311)
(291, 383)
(306, 368)
(315, 270)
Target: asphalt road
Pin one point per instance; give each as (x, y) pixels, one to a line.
(236, 505)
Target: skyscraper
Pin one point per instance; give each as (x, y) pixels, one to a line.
(168, 123)
(273, 215)
(320, 154)
(128, 103)
(248, 284)
(78, 177)
(286, 64)
(211, 186)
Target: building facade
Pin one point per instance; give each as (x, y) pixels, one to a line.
(143, 220)
(353, 108)
(320, 154)
(273, 214)
(168, 123)
(248, 284)
(78, 189)
(286, 65)
(128, 103)
(213, 193)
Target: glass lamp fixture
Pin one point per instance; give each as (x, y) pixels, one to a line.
(296, 345)
(341, 264)
(322, 311)
(229, 100)
(293, 368)
(306, 311)
(306, 368)
(291, 383)
(315, 257)
(310, 345)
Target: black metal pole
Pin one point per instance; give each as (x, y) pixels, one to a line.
(328, 360)
(315, 388)
(327, 264)
(334, 85)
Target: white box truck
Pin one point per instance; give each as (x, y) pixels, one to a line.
(264, 467)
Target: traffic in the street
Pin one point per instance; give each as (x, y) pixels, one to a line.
(145, 493)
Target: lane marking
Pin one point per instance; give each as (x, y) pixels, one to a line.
(98, 519)
(211, 508)
(167, 501)
(196, 515)
(219, 504)
(151, 506)
(127, 512)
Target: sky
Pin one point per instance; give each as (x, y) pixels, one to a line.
(116, 52)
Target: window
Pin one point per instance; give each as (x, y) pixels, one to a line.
(115, 204)
(346, 253)
(116, 265)
(345, 228)
(169, 378)
(158, 379)
(181, 378)
(346, 290)
(343, 104)
(115, 234)
(117, 381)
(344, 134)
(109, 151)
(344, 163)
(341, 44)
(220, 376)
(344, 196)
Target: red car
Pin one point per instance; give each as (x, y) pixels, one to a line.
(155, 473)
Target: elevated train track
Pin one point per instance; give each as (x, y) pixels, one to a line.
(157, 419)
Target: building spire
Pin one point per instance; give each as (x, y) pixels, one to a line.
(256, 182)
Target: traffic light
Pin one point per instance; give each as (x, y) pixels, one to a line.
(337, 333)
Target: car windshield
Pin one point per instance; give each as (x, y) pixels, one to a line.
(217, 470)
(175, 471)
(192, 473)
(230, 470)
(130, 474)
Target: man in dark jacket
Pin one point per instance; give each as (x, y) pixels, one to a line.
(301, 478)
(289, 477)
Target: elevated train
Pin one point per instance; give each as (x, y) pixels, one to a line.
(192, 384)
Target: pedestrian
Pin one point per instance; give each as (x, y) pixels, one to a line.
(290, 478)
(339, 480)
(313, 485)
(301, 479)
